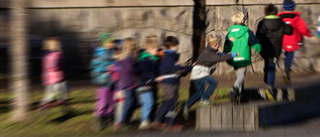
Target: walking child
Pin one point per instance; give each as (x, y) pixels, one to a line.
(148, 68)
(53, 77)
(171, 71)
(240, 39)
(291, 43)
(270, 32)
(201, 72)
(127, 84)
(101, 63)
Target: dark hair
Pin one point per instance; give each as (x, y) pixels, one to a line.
(171, 41)
(270, 10)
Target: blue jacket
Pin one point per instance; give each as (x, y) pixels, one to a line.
(169, 66)
(101, 59)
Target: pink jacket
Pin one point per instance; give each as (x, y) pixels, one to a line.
(52, 68)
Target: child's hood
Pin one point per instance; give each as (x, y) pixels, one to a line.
(291, 18)
(237, 31)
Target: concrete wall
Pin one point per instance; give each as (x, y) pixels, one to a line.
(79, 22)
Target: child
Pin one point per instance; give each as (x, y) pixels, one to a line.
(115, 78)
(201, 72)
(240, 39)
(148, 66)
(127, 78)
(101, 64)
(270, 32)
(53, 77)
(170, 74)
(291, 43)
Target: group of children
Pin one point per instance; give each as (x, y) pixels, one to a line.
(128, 77)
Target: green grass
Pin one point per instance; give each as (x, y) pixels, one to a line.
(77, 121)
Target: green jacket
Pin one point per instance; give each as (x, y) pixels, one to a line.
(240, 39)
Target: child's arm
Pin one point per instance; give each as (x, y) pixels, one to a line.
(254, 42)
(303, 28)
(227, 46)
(221, 57)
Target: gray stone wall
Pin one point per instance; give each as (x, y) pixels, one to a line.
(81, 22)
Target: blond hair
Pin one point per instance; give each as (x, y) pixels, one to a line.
(237, 17)
(151, 42)
(214, 39)
(129, 48)
(51, 43)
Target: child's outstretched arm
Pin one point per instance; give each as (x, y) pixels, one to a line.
(227, 46)
(221, 57)
(254, 42)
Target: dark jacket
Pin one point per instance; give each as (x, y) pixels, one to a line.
(169, 66)
(209, 57)
(148, 68)
(270, 33)
(128, 73)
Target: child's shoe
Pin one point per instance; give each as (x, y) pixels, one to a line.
(185, 112)
(173, 128)
(156, 125)
(144, 125)
(204, 102)
(286, 77)
(270, 93)
(234, 95)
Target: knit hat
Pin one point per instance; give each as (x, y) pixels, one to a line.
(289, 5)
(105, 38)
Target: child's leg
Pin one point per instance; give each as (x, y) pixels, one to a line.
(49, 94)
(172, 114)
(289, 57)
(163, 109)
(212, 86)
(110, 102)
(271, 73)
(63, 91)
(200, 86)
(128, 105)
(147, 101)
(120, 100)
(101, 96)
(241, 75)
(265, 70)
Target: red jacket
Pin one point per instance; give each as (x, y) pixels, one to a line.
(300, 28)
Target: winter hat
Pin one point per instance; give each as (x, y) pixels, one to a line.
(289, 5)
(105, 38)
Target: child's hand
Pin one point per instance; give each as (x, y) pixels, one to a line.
(159, 79)
(235, 54)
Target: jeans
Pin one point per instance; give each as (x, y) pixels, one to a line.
(269, 72)
(200, 85)
(289, 57)
(130, 102)
(146, 100)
